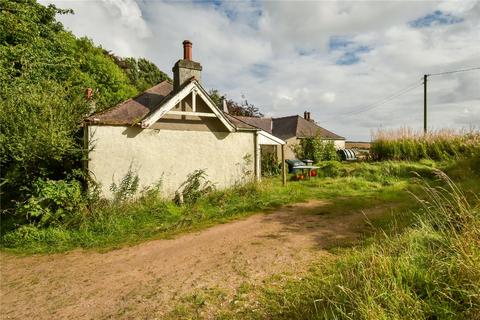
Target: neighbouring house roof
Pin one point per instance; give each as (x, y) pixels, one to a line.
(239, 123)
(133, 110)
(262, 123)
(286, 127)
(296, 126)
(264, 137)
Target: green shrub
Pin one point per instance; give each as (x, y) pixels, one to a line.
(53, 203)
(269, 164)
(315, 149)
(331, 169)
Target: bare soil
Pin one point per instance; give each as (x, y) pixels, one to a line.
(146, 281)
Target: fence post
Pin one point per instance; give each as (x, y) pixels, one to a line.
(284, 172)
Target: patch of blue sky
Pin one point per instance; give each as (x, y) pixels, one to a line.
(338, 43)
(306, 52)
(352, 56)
(248, 11)
(215, 3)
(436, 18)
(260, 70)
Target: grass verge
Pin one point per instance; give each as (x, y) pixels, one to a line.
(358, 185)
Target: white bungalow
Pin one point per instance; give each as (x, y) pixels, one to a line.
(169, 131)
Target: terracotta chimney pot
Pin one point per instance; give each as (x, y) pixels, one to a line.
(187, 50)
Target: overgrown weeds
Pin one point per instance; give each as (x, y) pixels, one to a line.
(196, 186)
(127, 187)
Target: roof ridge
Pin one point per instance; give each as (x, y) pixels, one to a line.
(248, 124)
(296, 125)
(295, 115)
(255, 117)
(333, 133)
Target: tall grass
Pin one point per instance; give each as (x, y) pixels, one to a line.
(408, 144)
(431, 271)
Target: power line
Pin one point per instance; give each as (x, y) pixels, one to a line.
(454, 71)
(425, 78)
(386, 99)
(403, 91)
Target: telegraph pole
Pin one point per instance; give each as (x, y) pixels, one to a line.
(425, 103)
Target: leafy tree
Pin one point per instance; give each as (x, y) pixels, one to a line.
(38, 137)
(216, 97)
(316, 149)
(142, 73)
(34, 47)
(243, 108)
(44, 72)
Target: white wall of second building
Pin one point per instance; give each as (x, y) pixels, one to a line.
(339, 144)
(169, 155)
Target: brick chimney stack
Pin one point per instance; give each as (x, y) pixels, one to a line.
(186, 69)
(306, 116)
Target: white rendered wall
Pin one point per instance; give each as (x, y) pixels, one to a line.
(169, 155)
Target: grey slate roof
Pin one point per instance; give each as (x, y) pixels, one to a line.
(296, 126)
(288, 127)
(263, 123)
(133, 110)
(239, 123)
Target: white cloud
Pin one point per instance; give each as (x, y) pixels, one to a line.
(277, 54)
(328, 97)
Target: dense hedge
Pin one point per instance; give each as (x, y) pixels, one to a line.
(44, 73)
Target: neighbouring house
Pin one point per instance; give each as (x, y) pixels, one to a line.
(168, 132)
(292, 129)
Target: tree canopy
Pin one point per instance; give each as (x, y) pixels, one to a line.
(243, 108)
(44, 73)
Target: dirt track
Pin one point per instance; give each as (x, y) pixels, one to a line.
(146, 280)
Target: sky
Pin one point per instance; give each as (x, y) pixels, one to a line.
(356, 66)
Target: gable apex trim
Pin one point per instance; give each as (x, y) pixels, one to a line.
(195, 87)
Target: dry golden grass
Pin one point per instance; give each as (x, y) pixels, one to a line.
(408, 144)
